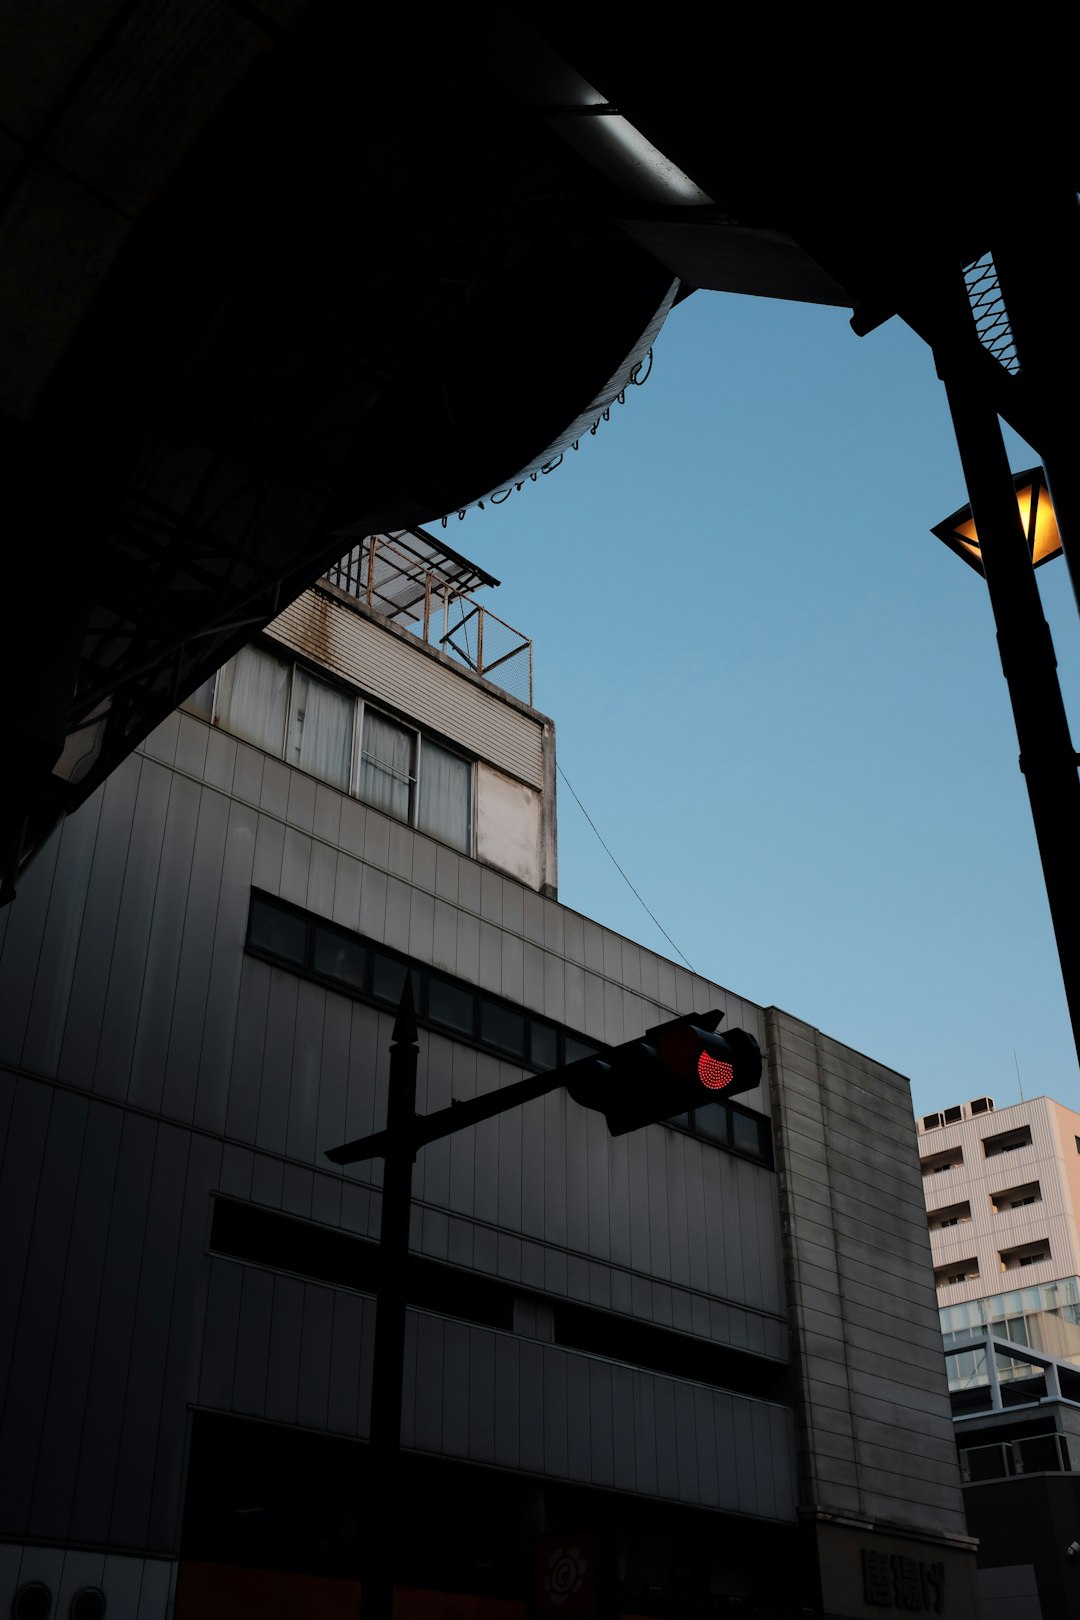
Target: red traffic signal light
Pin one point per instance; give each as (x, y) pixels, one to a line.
(676, 1066)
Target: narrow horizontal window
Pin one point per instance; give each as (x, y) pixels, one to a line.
(543, 1044)
(339, 958)
(279, 933)
(1024, 1254)
(502, 1027)
(451, 1005)
(345, 961)
(388, 978)
(1018, 1197)
(956, 1271)
(1007, 1142)
(949, 1215)
(936, 1164)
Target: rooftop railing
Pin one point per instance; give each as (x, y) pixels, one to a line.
(408, 579)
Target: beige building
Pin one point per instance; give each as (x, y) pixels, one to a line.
(1002, 1190)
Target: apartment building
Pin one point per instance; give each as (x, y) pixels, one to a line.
(689, 1369)
(1002, 1192)
(1002, 1189)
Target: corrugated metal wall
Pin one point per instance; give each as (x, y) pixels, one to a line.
(874, 1421)
(297, 1352)
(183, 1067)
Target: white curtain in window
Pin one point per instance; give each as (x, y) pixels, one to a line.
(258, 690)
(445, 795)
(320, 730)
(386, 765)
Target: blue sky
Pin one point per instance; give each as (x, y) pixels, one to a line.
(779, 697)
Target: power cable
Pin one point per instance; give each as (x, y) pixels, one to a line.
(620, 871)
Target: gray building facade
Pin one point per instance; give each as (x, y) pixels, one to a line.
(705, 1355)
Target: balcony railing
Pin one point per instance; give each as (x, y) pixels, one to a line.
(1007, 1459)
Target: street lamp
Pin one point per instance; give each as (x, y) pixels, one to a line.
(1036, 514)
(1019, 534)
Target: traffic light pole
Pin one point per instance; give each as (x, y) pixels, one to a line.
(684, 1044)
(397, 1146)
(384, 1427)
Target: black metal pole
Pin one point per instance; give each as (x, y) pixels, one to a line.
(1047, 757)
(1037, 263)
(384, 1450)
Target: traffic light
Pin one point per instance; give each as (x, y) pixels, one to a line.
(676, 1066)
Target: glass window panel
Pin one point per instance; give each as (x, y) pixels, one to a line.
(388, 978)
(543, 1044)
(680, 1119)
(444, 803)
(386, 765)
(277, 932)
(451, 1005)
(575, 1049)
(502, 1027)
(746, 1133)
(712, 1122)
(340, 958)
(256, 698)
(320, 730)
(201, 700)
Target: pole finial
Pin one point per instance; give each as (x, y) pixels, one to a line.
(405, 1033)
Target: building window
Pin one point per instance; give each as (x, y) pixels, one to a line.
(253, 697)
(1016, 1197)
(333, 734)
(936, 1164)
(956, 1271)
(444, 801)
(951, 1215)
(1025, 1254)
(1007, 1142)
(320, 730)
(288, 937)
(386, 765)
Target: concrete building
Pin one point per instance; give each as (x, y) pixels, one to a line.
(690, 1369)
(1002, 1189)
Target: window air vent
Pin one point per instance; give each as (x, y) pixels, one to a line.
(951, 1115)
(931, 1122)
(981, 1105)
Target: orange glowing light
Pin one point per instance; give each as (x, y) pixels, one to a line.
(1044, 540)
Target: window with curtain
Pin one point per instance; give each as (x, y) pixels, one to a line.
(321, 730)
(386, 765)
(256, 699)
(445, 795)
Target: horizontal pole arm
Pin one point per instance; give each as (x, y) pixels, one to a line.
(445, 1121)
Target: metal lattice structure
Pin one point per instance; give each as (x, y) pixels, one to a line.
(991, 316)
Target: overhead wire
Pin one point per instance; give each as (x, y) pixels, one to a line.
(620, 871)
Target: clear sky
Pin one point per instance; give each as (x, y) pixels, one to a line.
(780, 700)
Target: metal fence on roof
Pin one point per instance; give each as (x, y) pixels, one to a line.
(408, 579)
